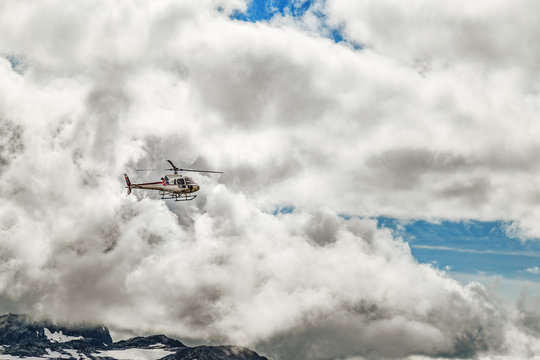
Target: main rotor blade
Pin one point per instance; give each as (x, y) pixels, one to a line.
(175, 169)
(202, 171)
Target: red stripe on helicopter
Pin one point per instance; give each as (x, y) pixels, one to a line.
(152, 183)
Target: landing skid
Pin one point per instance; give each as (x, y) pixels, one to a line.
(176, 197)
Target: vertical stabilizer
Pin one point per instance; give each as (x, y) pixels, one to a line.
(128, 184)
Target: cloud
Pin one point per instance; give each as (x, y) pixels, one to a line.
(294, 120)
(480, 32)
(236, 264)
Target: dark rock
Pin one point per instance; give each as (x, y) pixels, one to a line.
(227, 352)
(148, 342)
(17, 329)
(27, 350)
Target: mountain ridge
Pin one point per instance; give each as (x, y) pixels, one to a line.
(23, 337)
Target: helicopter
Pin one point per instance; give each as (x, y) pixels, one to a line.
(172, 186)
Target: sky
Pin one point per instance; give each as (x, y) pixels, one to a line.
(381, 175)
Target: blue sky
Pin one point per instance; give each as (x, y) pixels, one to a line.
(266, 9)
(262, 10)
(475, 247)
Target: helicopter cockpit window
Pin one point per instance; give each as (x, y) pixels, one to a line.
(190, 181)
(181, 182)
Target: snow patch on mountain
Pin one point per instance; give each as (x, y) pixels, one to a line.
(57, 336)
(128, 354)
(55, 355)
(74, 354)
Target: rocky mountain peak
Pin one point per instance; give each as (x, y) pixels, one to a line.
(22, 337)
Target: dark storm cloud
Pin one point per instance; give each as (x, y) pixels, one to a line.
(475, 191)
(251, 79)
(409, 164)
(323, 227)
(106, 106)
(404, 167)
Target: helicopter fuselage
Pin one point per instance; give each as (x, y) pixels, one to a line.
(173, 183)
(173, 186)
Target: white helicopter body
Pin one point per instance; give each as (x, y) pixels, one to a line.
(172, 186)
